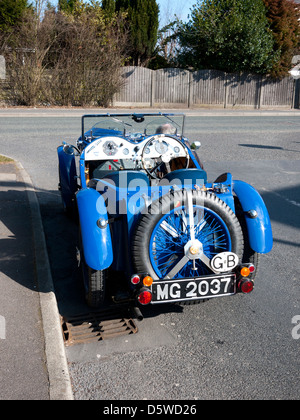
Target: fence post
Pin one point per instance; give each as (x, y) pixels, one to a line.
(2, 68)
(226, 90)
(189, 88)
(297, 92)
(153, 86)
(261, 92)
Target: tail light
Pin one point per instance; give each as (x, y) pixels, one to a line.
(251, 268)
(246, 269)
(135, 279)
(246, 285)
(144, 296)
(147, 281)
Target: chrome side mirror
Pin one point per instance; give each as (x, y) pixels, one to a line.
(195, 145)
(70, 150)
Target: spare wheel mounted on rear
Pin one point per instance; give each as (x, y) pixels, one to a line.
(182, 224)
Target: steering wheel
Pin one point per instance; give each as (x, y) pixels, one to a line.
(161, 146)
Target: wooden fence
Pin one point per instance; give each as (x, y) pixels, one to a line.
(2, 68)
(183, 88)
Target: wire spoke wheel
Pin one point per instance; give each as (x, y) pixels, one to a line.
(178, 225)
(172, 233)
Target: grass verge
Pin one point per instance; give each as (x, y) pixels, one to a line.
(4, 159)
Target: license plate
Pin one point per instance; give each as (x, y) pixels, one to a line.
(193, 289)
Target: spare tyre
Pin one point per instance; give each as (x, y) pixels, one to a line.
(162, 234)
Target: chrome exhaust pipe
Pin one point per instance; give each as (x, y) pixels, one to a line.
(137, 313)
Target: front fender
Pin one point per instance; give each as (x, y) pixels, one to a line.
(67, 176)
(96, 240)
(259, 228)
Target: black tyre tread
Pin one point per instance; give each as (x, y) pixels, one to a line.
(140, 244)
(96, 293)
(96, 279)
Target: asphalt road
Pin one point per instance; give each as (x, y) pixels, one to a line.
(242, 347)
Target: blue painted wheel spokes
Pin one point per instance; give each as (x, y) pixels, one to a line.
(174, 231)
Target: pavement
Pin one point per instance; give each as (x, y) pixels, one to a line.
(33, 364)
(213, 111)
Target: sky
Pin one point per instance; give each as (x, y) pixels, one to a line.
(170, 7)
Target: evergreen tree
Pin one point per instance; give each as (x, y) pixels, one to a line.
(11, 12)
(283, 16)
(228, 35)
(142, 19)
(67, 6)
(109, 7)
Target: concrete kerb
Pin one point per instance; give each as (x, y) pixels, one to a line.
(190, 112)
(58, 372)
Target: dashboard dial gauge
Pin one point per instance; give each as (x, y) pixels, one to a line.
(110, 148)
(161, 147)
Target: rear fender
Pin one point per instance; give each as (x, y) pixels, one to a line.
(96, 240)
(259, 227)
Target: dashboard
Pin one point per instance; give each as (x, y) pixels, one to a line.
(152, 147)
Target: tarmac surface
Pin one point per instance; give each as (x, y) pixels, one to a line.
(33, 363)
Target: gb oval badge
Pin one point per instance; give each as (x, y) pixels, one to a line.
(225, 261)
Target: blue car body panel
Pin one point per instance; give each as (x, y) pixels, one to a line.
(183, 177)
(67, 175)
(96, 241)
(259, 228)
(226, 186)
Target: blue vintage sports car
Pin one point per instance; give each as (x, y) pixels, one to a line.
(152, 229)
